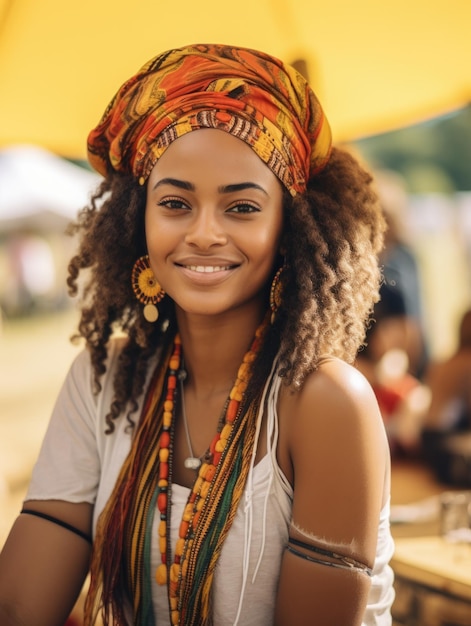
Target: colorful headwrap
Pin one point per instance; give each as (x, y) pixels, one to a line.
(246, 93)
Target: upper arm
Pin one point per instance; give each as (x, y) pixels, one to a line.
(340, 461)
(43, 565)
(339, 454)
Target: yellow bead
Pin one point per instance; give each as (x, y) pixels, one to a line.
(235, 394)
(161, 574)
(226, 431)
(199, 504)
(162, 544)
(179, 546)
(167, 420)
(168, 406)
(203, 470)
(174, 572)
(242, 386)
(174, 363)
(204, 489)
(188, 512)
(197, 485)
(162, 528)
(243, 371)
(163, 455)
(175, 618)
(220, 445)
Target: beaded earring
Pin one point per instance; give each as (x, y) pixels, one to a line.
(146, 288)
(275, 293)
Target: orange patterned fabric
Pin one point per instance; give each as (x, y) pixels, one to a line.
(246, 93)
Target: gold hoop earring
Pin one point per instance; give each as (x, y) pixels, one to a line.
(146, 288)
(276, 293)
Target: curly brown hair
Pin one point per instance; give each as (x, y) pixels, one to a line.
(333, 234)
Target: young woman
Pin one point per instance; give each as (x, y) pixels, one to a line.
(229, 463)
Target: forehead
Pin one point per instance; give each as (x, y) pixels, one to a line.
(214, 154)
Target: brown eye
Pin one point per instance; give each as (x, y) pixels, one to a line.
(243, 207)
(173, 203)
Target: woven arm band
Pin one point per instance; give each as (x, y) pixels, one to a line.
(339, 560)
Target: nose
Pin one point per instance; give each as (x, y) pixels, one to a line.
(205, 229)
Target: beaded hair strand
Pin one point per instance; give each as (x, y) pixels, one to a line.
(125, 525)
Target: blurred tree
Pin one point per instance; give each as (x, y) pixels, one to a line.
(434, 156)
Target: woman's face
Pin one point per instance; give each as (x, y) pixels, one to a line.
(214, 217)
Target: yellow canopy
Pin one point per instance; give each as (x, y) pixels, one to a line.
(376, 65)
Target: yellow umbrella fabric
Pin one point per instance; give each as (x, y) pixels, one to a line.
(375, 65)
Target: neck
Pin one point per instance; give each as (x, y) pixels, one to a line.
(213, 350)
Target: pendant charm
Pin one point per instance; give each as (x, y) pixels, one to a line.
(151, 312)
(192, 463)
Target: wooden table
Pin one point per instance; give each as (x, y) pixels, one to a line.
(432, 576)
(432, 582)
(435, 563)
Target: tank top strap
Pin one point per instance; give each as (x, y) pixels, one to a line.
(273, 432)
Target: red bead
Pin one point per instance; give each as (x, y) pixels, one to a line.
(232, 411)
(162, 502)
(212, 445)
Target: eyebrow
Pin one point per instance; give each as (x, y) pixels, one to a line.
(175, 182)
(183, 184)
(240, 187)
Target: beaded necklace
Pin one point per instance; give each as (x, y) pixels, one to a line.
(175, 572)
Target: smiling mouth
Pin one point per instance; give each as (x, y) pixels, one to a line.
(208, 269)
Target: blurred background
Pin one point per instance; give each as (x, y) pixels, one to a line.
(394, 80)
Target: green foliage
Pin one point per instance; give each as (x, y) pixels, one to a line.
(434, 156)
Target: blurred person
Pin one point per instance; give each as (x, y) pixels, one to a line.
(403, 400)
(31, 274)
(450, 383)
(221, 461)
(448, 420)
(400, 267)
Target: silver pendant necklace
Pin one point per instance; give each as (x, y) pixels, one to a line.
(192, 462)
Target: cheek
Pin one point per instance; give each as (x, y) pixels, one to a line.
(268, 241)
(155, 243)
(155, 232)
(148, 226)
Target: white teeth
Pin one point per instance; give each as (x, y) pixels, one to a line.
(207, 269)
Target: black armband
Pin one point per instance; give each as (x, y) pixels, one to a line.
(59, 522)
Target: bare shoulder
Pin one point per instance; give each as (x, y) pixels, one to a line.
(335, 396)
(338, 452)
(332, 433)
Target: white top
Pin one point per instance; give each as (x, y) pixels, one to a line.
(78, 463)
